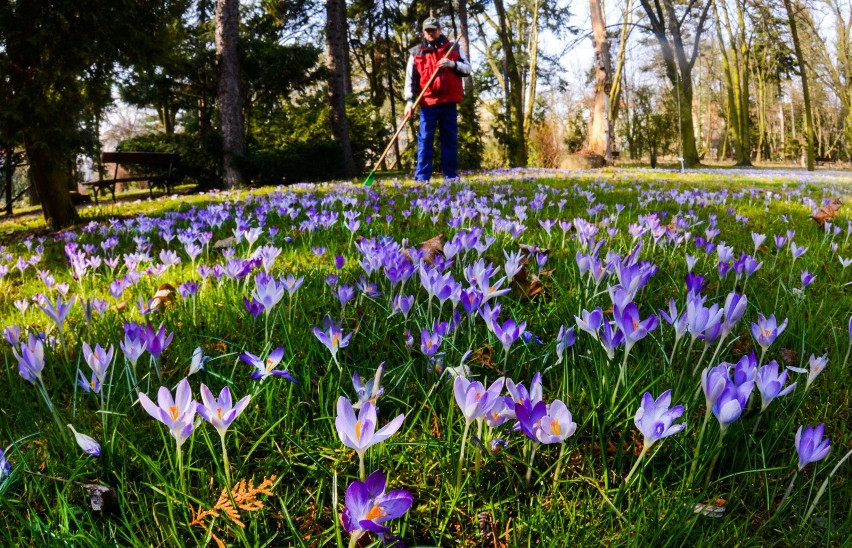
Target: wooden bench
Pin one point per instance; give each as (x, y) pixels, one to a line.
(161, 177)
(823, 161)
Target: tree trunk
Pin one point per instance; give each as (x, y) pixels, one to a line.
(49, 174)
(464, 44)
(615, 90)
(806, 96)
(533, 49)
(515, 98)
(230, 103)
(600, 130)
(337, 58)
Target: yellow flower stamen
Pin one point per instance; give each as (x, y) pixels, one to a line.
(173, 412)
(376, 512)
(358, 430)
(554, 427)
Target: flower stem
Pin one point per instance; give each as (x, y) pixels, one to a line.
(636, 464)
(361, 468)
(179, 456)
(353, 538)
(225, 461)
(698, 447)
(529, 466)
(788, 491)
(558, 465)
(461, 453)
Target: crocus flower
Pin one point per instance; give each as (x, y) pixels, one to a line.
(402, 304)
(133, 348)
(811, 445)
(766, 330)
(732, 402)
(713, 382)
(371, 390)
(198, 361)
(735, 307)
(332, 336)
(59, 311)
(473, 399)
(590, 321)
(508, 333)
(359, 433)
(268, 291)
(557, 425)
(86, 443)
(98, 359)
(368, 506)
(265, 368)
(5, 467)
(770, 384)
(429, 342)
(220, 412)
(565, 339)
(157, 341)
(12, 334)
(89, 385)
(634, 329)
(253, 307)
(655, 418)
(31, 358)
(807, 278)
(177, 413)
(815, 367)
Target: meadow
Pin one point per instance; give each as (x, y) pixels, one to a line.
(527, 357)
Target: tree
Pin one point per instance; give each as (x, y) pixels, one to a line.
(53, 52)
(230, 104)
(800, 58)
(339, 78)
(600, 127)
(735, 46)
(672, 30)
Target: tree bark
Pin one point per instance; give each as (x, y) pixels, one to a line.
(230, 103)
(615, 89)
(464, 43)
(806, 96)
(50, 177)
(600, 129)
(515, 98)
(337, 58)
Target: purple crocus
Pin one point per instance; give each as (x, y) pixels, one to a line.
(98, 359)
(89, 385)
(807, 278)
(770, 384)
(556, 425)
(508, 333)
(590, 321)
(359, 433)
(811, 445)
(177, 413)
(766, 330)
(157, 341)
(31, 358)
(368, 506)
(254, 308)
(133, 347)
(735, 307)
(633, 328)
(655, 418)
(474, 400)
(268, 291)
(713, 382)
(732, 402)
(220, 412)
(5, 467)
(332, 337)
(86, 443)
(430, 342)
(370, 391)
(266, 368)
(565, 339)
(401, 304)
(59, 311)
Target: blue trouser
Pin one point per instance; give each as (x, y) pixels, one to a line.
(444, 117)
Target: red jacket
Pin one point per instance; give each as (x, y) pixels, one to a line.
(447, 87)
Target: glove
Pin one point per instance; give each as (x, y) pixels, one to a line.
(409, 107)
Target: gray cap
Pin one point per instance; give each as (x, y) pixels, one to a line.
(431, 23)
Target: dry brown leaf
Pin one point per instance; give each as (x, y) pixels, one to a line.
(432, 246)
(165, 294)
(244, 496)
(827, 212)
(226, 242)
(101, 498)
(533, 249)
(528, 283)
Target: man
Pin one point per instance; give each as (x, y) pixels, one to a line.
(438, 108)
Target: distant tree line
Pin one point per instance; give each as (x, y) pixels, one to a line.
(261, 91)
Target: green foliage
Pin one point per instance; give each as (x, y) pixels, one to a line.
(471, 148)
(298, 162)
(199, 156)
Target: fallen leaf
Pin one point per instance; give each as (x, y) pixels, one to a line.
(528, 283)
(788, 356)
(432, 246)
(226, 242)
(827, 212)
(165, 294)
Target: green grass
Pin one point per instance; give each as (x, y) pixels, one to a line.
(288, 429)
